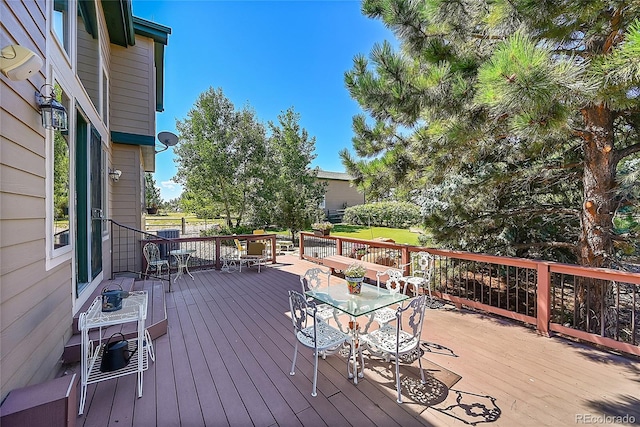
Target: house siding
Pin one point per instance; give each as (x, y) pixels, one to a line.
(127, 205)
(35, 303)
(132, 88)
(88, 63)
(339, 194)
(37, 289)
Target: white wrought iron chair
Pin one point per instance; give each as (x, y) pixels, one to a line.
(313, 280)
(154, 262)
(394, 341)
(420, 277)
(319, 336)
(387, 314)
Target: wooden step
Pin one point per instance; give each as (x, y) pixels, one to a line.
(156, 322)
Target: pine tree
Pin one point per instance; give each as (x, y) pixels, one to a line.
(509, 119)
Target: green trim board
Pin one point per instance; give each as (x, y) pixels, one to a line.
(159, 33)
(159, 61)
(87, 10)
(119, 18)
(132, 139)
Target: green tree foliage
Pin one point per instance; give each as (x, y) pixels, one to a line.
(295, 191)
(151, 191)
(61, 174)
(221, 155)
(227, 165)
(506, 120)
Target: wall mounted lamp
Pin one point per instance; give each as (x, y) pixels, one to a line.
(54, 115)
(115, 174)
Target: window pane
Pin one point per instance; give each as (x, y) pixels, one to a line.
(61, 180)
(61, 22)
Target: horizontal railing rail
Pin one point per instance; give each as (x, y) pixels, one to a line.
(126, 249)
(598, 305)
(208, 252)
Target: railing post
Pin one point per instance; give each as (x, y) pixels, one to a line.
(301, 244)
(184, 226)
(273, 248)
(111, 239)
(543, 315)
(217, 244)
(406, 260)
(338, 246)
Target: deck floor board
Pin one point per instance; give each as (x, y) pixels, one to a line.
(226, 357)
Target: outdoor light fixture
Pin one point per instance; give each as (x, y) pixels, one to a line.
(115, 174)
(19, 63)
(54, 115)
(167, 139)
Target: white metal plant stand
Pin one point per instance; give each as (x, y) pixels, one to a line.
(134, 309)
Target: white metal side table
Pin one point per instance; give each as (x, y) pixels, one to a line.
(134, 309)
(182, 257)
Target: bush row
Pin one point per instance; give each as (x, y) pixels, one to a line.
(383, 214)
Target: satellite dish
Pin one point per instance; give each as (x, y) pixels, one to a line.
(167, 139)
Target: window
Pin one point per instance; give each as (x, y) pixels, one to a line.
(61, 22)
(61, 175)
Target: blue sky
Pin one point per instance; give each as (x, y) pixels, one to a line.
(270, 55)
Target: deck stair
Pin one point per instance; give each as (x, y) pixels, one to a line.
(156, 322)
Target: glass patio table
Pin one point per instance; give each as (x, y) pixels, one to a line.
(366, 303)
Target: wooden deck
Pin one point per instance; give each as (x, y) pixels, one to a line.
(227, 354)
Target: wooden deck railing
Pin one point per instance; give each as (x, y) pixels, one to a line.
(551, 296)
(127, 243)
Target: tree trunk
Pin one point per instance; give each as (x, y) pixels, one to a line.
(596, 245)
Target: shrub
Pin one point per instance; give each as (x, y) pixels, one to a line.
(384, 214)
(223, 230)
(322, 226)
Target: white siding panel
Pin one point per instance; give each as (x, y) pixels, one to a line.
(17, 256)
(87, 63)
(19, 206)
(35, 304)
(21, 159)
(127, 205)
(15, 231)
(24, 340)
(132, 88)
(15, 181)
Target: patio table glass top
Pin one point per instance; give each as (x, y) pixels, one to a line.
(370, 299)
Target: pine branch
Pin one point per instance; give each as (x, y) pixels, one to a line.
(565, 245)
(627, 151)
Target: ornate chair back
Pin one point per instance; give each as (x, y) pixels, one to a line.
(151, 253)
(312, 278)
(394, 283)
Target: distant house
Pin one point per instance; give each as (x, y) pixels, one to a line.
(339, 193)
(106, 68)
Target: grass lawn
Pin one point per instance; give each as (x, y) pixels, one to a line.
(399, 235)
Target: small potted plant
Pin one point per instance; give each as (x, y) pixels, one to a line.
(322, 228)
(354, 274)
